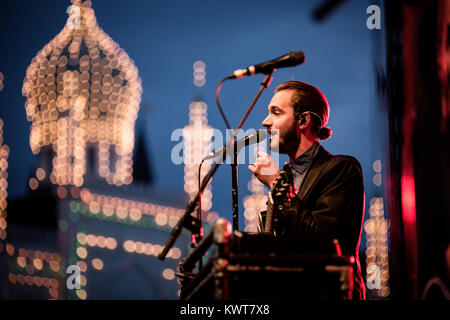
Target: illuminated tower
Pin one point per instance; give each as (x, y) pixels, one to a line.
(83, 90)
(197, 142)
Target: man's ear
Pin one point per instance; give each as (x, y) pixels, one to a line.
(304, 119)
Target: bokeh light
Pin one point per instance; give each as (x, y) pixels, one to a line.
(4, 153)
(197, 130)
(40, 174)
(82, 252)
(254, 203)
(377, 230)
(199, 73)
(97, 264)
(168, 274)
(146, 248)
(33, 183)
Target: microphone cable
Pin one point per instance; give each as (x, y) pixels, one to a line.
(199, 209)
(199, 212)
(219, 86)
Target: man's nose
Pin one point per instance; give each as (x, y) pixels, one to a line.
(266, 122)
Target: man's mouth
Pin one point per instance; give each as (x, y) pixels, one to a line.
(272, 136)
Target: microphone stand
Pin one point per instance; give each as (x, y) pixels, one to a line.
(234, 172)
(187, 220)
(234, 189)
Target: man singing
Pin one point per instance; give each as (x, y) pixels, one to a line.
(330, 200)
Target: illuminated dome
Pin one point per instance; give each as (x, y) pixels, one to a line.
(82, 89)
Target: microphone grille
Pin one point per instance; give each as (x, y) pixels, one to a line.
(298, 57)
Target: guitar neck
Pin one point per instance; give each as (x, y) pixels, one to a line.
(269, 217)
(282, 189)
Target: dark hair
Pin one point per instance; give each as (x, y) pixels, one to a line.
(308, 98)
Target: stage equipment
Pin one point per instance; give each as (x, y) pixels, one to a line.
(260, 266)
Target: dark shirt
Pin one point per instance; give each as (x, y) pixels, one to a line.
(301, 165)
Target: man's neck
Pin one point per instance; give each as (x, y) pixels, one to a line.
(305, 143)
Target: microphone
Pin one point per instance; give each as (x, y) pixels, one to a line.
(252, 138)
(288, 60)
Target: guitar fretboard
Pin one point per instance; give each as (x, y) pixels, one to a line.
(269, 218)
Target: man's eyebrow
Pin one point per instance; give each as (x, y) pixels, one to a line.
(274, 107)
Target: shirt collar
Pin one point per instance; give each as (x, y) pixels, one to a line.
(304, 160)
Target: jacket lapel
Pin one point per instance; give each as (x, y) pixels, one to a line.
(313, 172)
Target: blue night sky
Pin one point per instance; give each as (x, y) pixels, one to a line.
(164, 38)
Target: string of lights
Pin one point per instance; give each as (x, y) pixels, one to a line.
(108, 206)
(26, 280)
(130, 246)
(26, 263)
(4, 153)
(377, 257)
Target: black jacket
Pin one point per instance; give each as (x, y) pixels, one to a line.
(329, 205)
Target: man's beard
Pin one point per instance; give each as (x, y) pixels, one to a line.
(290, 140)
